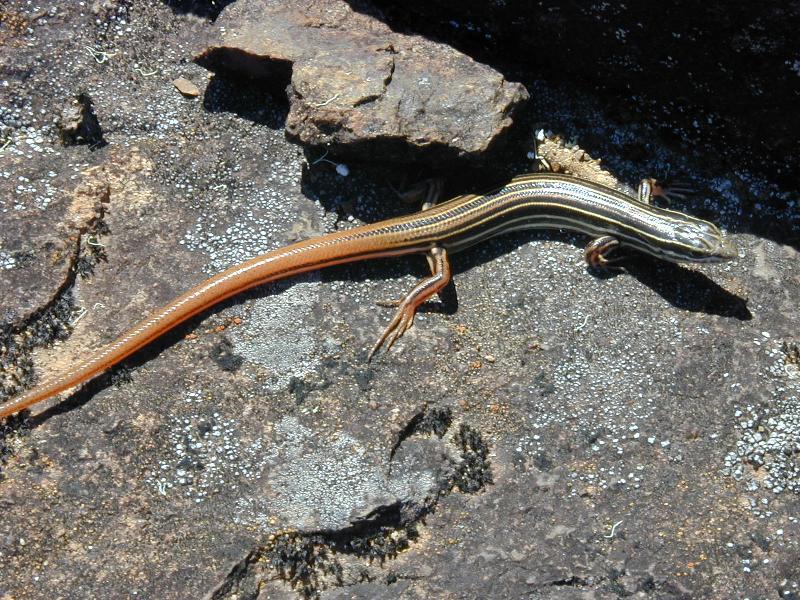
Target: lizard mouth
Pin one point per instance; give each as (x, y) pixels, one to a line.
(707, 242)
(726, 249)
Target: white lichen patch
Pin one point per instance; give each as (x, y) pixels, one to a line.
(242, 222)
(7, 261)
(766, 455)
(324, 483)
(258, 221)
(618, 374)
(276, 333)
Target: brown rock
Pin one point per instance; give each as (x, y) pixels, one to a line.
(359, 86)
(186, 87)
(78, 123)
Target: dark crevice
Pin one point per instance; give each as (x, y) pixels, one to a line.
(311, 562)
(207, 9)
(436, 420)
(390, 76)
(570, 582)
(386, 82)
(17, 426)
(474, 472)
(48, 324)
(367, 100)
(53, 321)
(238, 580)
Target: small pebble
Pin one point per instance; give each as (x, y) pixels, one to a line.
(186, 87)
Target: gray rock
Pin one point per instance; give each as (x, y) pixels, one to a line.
(362, 88)
(253, 449)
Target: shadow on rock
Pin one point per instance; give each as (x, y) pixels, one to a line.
(688, 289)
(249, 99)
(684, 288)
(199, 8)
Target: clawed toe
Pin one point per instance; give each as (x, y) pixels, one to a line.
(670, 190)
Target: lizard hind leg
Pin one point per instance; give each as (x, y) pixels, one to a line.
(430, 192)
(407, 307)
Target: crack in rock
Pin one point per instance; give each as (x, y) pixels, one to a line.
(312, 561)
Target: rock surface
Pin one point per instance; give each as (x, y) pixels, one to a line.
(547, 434)
(714, 79)
(359, 87)
(78, 123)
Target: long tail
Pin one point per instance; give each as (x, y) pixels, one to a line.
(316, 253)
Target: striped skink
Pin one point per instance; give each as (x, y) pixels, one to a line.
(615, 221)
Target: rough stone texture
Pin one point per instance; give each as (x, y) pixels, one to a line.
(78, 123)
(361, 88)
(549, 434)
